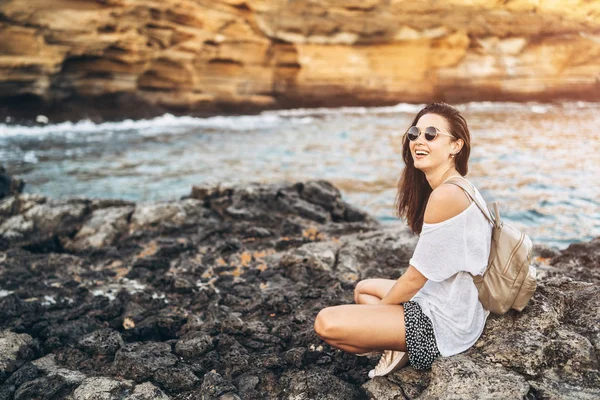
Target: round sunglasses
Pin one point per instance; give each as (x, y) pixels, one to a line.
(430, 132)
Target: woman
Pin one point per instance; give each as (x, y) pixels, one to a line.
(433, 309)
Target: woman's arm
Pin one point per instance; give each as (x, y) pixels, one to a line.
(445, 202)
(405, 287)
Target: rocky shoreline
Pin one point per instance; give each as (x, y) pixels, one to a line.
(214, 295)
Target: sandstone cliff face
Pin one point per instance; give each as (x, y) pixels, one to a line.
(205, 56)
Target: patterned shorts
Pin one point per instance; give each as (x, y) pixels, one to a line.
(420, 341)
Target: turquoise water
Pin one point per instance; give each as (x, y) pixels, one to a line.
(540, 162)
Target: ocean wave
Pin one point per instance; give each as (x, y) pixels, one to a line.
(149, 127)
(266, 119)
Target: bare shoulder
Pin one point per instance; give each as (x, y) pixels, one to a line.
(445, 202)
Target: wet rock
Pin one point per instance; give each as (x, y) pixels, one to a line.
(147, 391)
(139, 361)
(101, 388)
(14, 351)
(105, 342)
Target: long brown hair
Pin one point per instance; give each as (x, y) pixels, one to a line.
(413, 188)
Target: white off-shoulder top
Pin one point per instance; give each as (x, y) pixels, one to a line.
(445, 254)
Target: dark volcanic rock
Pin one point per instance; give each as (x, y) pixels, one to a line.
(9, 185)
(176, 379)
(55, 382)
(214, 387)
(214, 296)
(104, 342)
(194, 345)
(139, 361)
(14, 350)
(147, 391)
(579, 260)
(101, 388)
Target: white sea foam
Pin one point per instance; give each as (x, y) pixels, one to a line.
(150, 127)
(169, 123)
(398, 108)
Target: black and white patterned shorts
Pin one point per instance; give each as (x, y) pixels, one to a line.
(420, 340)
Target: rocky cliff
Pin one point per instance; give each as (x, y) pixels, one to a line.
(116, 58)
(214, 296)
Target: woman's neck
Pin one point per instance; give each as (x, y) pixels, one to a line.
(437, 180)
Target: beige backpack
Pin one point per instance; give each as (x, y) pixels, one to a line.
(509, 280)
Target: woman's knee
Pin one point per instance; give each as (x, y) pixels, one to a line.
(359, 288)
(320, 326)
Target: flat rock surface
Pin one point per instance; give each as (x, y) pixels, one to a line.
(214, 296)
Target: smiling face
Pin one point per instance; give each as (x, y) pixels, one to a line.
(439, 149)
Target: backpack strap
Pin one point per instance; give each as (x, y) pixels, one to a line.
(468, 189)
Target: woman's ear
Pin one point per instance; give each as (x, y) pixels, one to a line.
(458, 147)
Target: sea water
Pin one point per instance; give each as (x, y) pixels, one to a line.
(541, 162)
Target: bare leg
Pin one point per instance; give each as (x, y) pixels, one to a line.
(367, 292)
(359, 328)
(371, 291)
(364, 298)
(350, 349)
